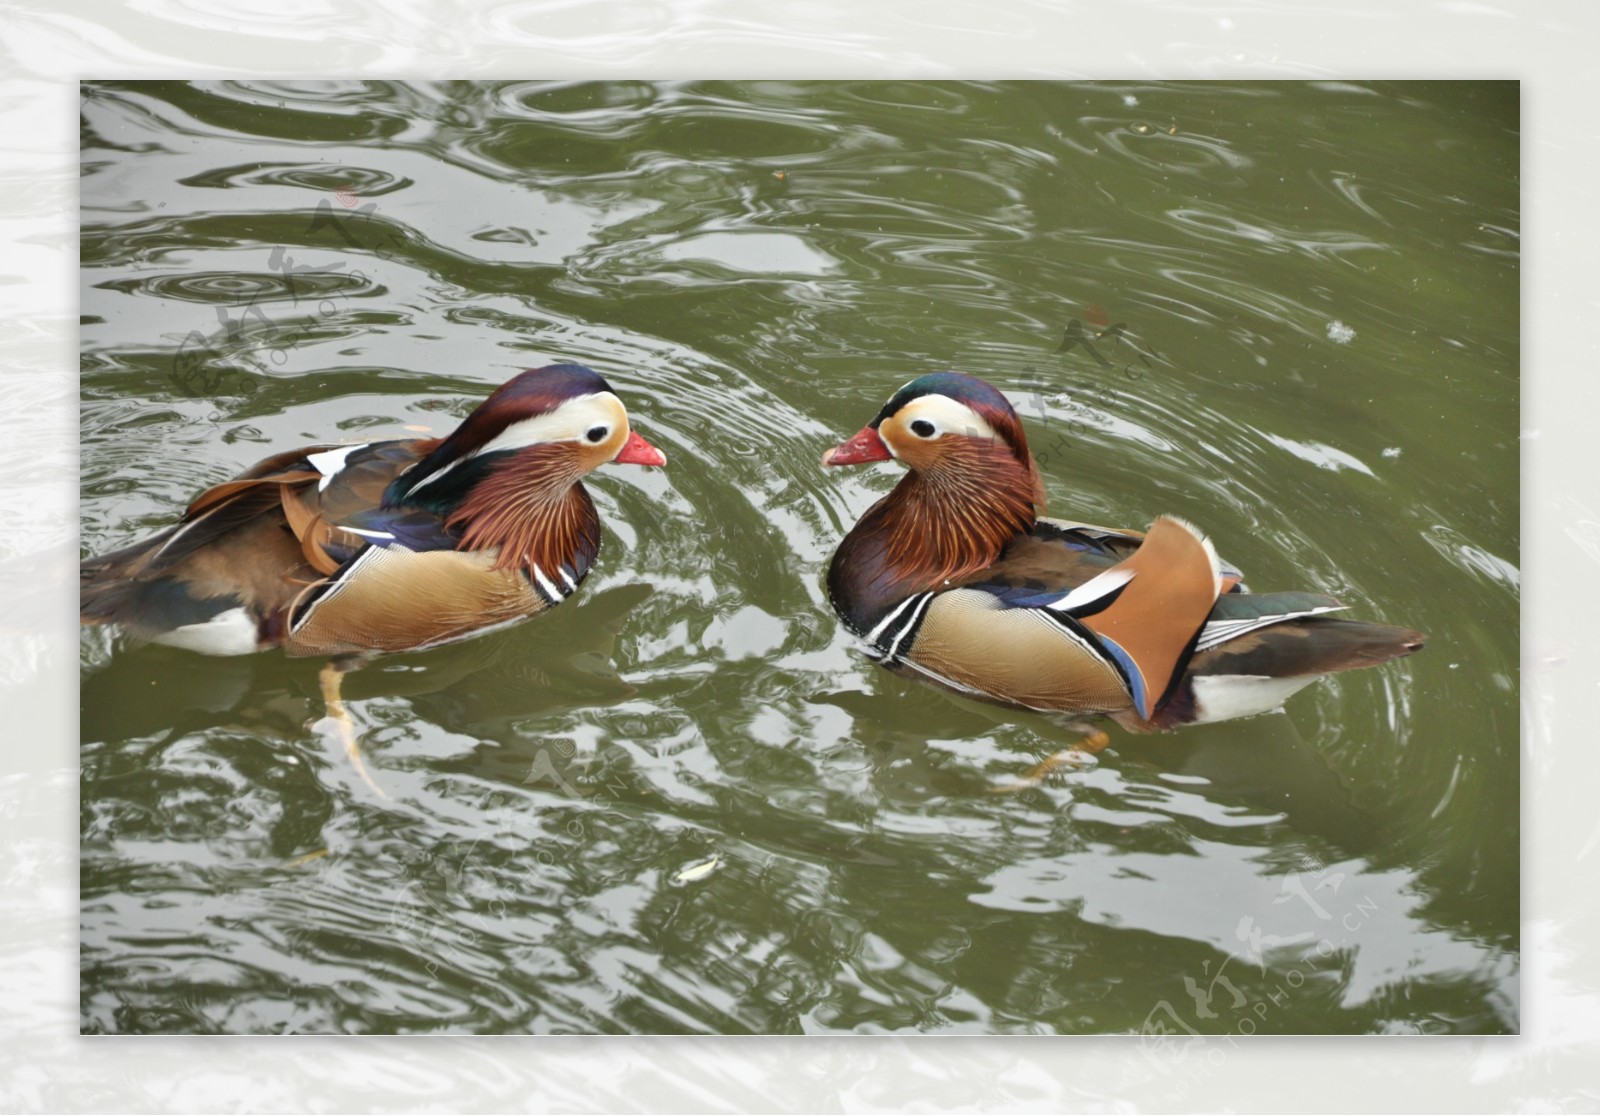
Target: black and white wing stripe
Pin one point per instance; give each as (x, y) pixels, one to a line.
(1217, 632)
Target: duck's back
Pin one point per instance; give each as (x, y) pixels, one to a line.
(1035, 629)
(223, 579)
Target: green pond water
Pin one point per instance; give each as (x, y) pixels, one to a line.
(685, 801)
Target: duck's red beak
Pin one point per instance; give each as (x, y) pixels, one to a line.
(865, 446)
(637, 451)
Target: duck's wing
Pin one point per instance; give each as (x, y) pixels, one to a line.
(394, 578)
(208, 580)
(1256, 650)
(1080, 618)
(397, 578)
(1059, 554)
(338, 512)
(222, 579)
(1061, 623)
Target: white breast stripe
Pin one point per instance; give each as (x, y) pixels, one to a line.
(872, 636)
(572, 586)
(1220, 631)
(368, 534)
(905, 630)
(549, 587)
(329, 462)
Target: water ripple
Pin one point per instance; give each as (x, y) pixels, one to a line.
(755, 266)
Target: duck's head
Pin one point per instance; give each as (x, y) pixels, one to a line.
(938, 422)
(971, 487)
(565, 414)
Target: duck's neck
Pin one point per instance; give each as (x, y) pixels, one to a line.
(533, 507)
(938, 526)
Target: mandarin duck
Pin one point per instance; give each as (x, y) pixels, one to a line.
(353, 550)
(956, 577)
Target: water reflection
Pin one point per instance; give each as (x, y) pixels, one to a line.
(755, 264)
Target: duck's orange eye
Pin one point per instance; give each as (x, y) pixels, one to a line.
(922, 428)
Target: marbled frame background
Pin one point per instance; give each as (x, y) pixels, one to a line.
(46, 48)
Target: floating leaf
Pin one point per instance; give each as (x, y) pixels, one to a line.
(698, 870)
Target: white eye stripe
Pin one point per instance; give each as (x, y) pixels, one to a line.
(946, 415)
(569, 422)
